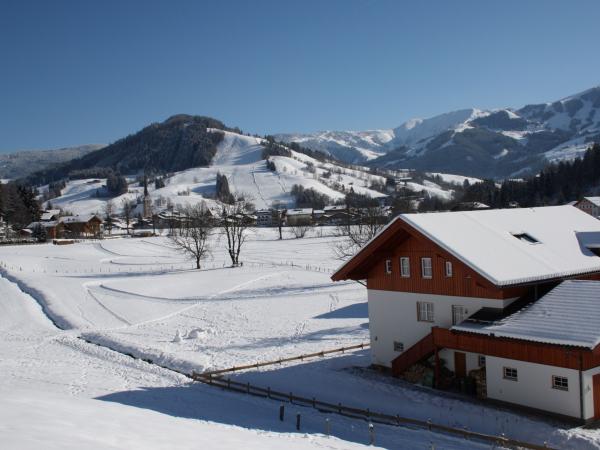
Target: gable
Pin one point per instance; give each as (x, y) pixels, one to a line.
(504, 247)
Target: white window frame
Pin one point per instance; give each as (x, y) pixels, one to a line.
(398, 347)
(559, 382)
(405, 269)
(427, 274)
(448, 267)
(463, 313)
(510, 373)
(481, 360)
(425, 312)
(388, 266)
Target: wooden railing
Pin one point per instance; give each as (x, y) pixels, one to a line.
(421, 350)
(256, 365)
(364, 414)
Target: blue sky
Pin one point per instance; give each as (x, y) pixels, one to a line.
(92, 72)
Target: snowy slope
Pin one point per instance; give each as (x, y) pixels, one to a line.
(238, 157)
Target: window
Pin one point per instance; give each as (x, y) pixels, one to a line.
(388, 266)
(448, 268)
(426, 271)
(459, 313)
(510, 374)
(526, 238)
(425, 312)
(405, 267)
(481, 360)
(561, 383)
(398, 346)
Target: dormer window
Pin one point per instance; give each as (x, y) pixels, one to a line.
(526, 238)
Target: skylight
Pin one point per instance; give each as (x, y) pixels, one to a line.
(526, 238)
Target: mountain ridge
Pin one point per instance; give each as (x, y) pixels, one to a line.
(496, 143)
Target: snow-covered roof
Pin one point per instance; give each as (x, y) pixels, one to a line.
(45, 224)
(594, 200)
(49, 214)
(506, 246)
(78, 219)
(518, 245)
(335, 208)
(299, 212)
(567, 315)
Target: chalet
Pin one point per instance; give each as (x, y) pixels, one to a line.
(590, 205)
(88, 225)
(455, 285)
(52, 228)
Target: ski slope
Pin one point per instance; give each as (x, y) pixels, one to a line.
(239, 157)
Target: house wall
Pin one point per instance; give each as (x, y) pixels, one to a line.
(534, 386)
(588, 207)
(393, 317)
(464, 281)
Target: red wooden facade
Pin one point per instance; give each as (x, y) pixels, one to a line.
(464, 282)
(569, 357)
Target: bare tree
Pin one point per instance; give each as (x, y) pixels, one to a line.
(300, 229)
(108, 212)
(192, 236)
(354, 234)
(127, 211)
(235, 225)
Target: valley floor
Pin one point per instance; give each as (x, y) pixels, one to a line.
(71, 315)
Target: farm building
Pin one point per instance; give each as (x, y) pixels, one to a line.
(590, 205)
(447, 284)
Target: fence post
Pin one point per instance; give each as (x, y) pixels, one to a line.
(371, 434)
(298, 422)
(281, 412)
(291, 398)
(327, 427)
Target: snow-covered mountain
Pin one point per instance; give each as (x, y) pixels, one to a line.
(241, 159)
(494, 143)
(23, 162)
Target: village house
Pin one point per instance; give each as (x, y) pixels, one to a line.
(453, 287)
(299, 216)
(51, 228)
(590, 205)
(85, 226)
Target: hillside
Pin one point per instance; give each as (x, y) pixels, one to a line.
(240, 158)
(494, 143)
(178, 143)
(22, 163)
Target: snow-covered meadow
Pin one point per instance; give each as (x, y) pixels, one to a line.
(139, 296)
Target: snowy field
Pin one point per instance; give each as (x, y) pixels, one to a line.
(70, 316)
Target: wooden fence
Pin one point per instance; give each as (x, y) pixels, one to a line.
(359, 413)
(201, 376)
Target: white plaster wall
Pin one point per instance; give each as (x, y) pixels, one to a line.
(393, 317)
(534, 386)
